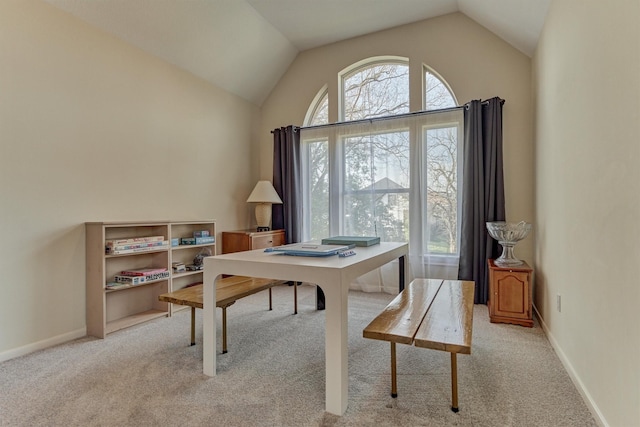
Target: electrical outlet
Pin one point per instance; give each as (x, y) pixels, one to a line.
(559, 303)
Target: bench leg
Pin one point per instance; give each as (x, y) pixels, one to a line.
(193, 326)
(224, 330)
(295, 297)
(394, 384)
(454, 383)
(270, 301)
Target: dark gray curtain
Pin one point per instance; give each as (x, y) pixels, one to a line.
(482, 191)
(287, 182)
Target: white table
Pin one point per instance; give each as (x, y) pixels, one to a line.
(333, 275)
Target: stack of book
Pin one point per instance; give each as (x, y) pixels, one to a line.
(138, 276)
(352, 240)
(205, 240)
(200, 237)
(135, 244)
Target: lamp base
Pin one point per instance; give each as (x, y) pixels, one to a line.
(263, 216)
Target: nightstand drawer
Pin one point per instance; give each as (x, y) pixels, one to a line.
(268, 241)
(247, 240)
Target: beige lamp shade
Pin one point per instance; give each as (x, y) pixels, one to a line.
(264, 195)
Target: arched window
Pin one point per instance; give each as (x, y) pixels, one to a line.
(375, 89)
(318, 113)
(437, 95)
(383, 170)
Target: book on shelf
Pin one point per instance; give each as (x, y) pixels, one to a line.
(137, 280)
(109, 249)
(201, 233)
(112, 242)
(130, 280)
(142, 271)
(197, 240)
(164, 245)
(156, 276)
(351, 240)
(178, 267)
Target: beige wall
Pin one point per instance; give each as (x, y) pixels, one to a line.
(93, 129)
(476, 64)
(587, 74)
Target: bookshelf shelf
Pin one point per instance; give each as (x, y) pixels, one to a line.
(109, 310)
(186, 273)
(127, 287)
(136, 253)
(132, 320)
(181, 247)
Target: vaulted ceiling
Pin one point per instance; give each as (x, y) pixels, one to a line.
(244, 46)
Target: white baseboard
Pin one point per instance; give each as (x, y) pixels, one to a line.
(586, 396)
(41, 345)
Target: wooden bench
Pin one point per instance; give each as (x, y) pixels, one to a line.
(429, 313)
(228, 291)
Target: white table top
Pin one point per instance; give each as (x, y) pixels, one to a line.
(273, 265)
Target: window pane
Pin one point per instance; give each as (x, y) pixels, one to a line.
(376, 185)
(437, 95)
(321, 113)
(318, 179)
(376, 91)
(442, 189)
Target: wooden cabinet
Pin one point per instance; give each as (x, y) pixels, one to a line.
(247, 240)
(510, 294)
(109, 310)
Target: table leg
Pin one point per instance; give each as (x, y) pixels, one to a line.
(336, 348)
(209, 337)
(320, 300)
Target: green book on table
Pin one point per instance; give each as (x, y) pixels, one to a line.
(351, 240)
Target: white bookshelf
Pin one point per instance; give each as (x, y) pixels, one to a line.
(109, 310)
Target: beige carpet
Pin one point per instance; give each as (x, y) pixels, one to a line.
(273, 375)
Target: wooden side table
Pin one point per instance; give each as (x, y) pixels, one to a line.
(510, 294)
(248, 240)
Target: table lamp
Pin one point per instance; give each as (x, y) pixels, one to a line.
(264, 195)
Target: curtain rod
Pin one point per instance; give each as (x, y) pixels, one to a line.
(399, 116)
(375, 119)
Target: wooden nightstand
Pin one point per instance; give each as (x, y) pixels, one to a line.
(510, 294)
(248, 240)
